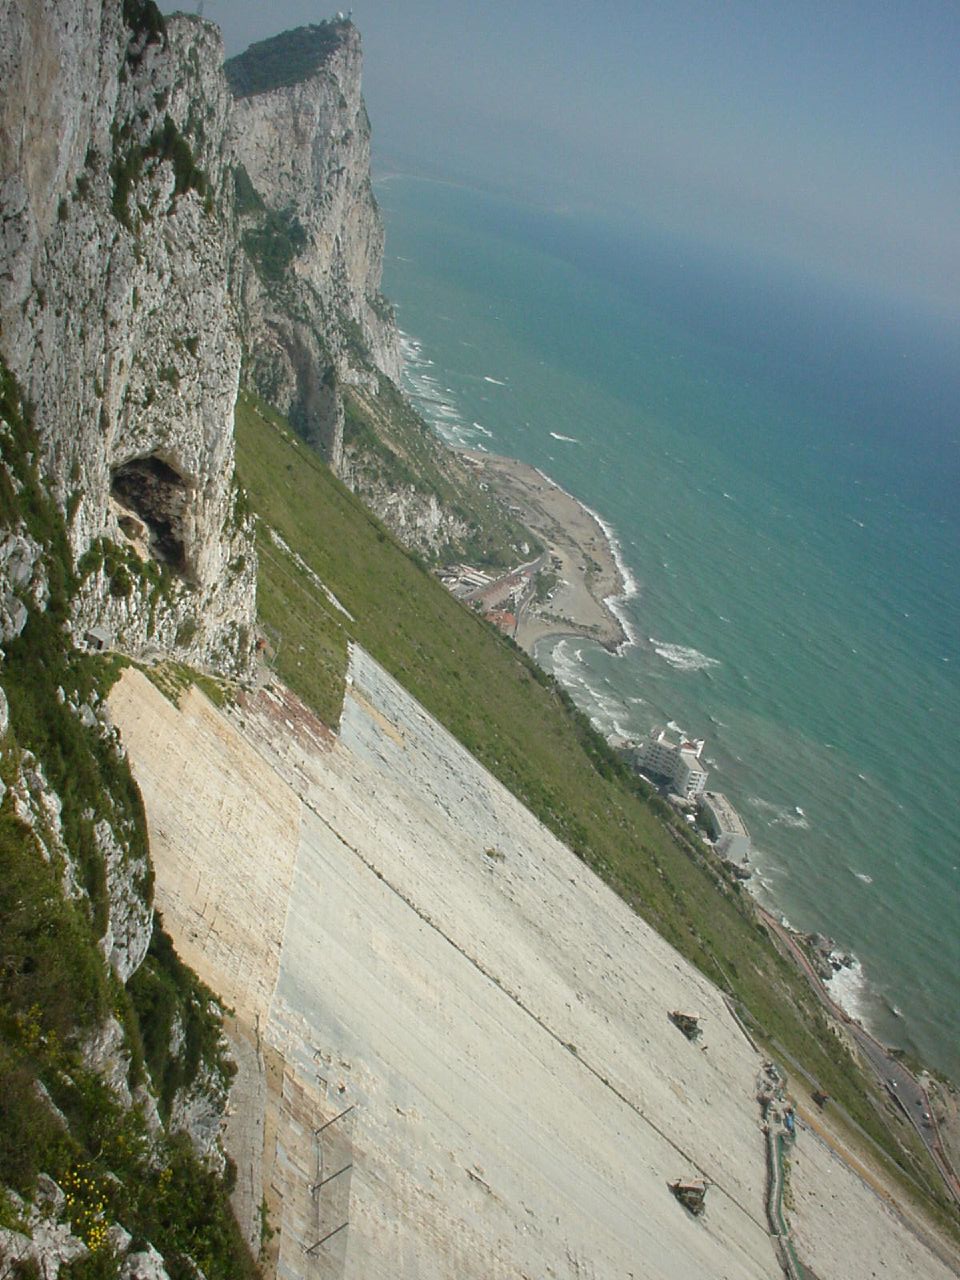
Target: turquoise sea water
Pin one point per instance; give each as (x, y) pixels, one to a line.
(781, 467)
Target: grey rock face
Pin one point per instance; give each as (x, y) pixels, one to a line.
(115, 311)
(130, 922)
(198, 1112)
(105, 1054)
(306, 149)
(21, 580)
(145, 1265)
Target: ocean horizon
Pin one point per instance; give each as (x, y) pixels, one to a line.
(778, 463)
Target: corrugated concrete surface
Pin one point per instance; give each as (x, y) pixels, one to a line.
(494, 1017)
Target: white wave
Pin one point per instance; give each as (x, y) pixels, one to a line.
(862, 875)
(780, 815)
(566, 439)
(796, 820)
(682, 657)
(848, 988)
(436, 402)
(572, 669)
(628, 584)
(496, 381)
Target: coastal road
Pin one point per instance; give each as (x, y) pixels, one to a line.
(900, 1083)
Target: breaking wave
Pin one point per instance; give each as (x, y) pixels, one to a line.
(682, 657)
(779, 815)
(436, 402)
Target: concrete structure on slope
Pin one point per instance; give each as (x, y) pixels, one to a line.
(726, 827)
(470, 1067)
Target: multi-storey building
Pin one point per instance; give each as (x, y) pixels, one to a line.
(677, 762)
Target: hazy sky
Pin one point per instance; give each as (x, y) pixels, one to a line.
(825, 135)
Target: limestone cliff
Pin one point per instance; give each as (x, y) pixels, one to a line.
(309, 282)
(112, 1072)
(320, 341)
(115, 312)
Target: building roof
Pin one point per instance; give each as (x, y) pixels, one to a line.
(727, 818)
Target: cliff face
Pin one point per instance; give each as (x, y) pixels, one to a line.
(110, 1051)
(115, 312)
(310, 290)
(320, 341)
(125, 245)
(117, 510)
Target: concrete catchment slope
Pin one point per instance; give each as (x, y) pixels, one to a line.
(423, 956)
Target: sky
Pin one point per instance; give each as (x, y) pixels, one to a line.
(822, 137)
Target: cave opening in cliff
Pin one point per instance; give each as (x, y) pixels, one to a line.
(154, 491)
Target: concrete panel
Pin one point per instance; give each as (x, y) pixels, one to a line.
(843, 1229)
(224, 831)
(414, 945)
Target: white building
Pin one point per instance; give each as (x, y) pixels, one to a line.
(725, 826)
(689, 774)
(677, 762)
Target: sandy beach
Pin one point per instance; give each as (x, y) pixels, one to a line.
(578, 551)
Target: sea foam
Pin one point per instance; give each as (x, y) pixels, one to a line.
(682, 657)
(848, 989)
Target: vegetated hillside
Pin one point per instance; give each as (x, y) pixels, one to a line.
(420, 488)
(284, 59)
(330, 572)
(107, 1043)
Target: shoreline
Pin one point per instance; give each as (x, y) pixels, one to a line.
(581, 552)
(596, 581)
(588, 605)
(585, 606)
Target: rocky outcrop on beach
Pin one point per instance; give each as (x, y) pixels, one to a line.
(825, 956)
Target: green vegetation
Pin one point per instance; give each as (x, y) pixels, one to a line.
(274, 243)
(131, 159)
(547, 579)
(173, 679)
(396, 448)
(283, 60)
(146, 23)
(515, 719)
(248, 198)
(57, 1116)
(309, 642)
(170, 1000)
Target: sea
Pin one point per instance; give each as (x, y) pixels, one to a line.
(778, 463)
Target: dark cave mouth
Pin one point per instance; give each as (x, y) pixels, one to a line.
(158, 495)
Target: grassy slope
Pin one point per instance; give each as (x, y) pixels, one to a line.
(520, 725)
